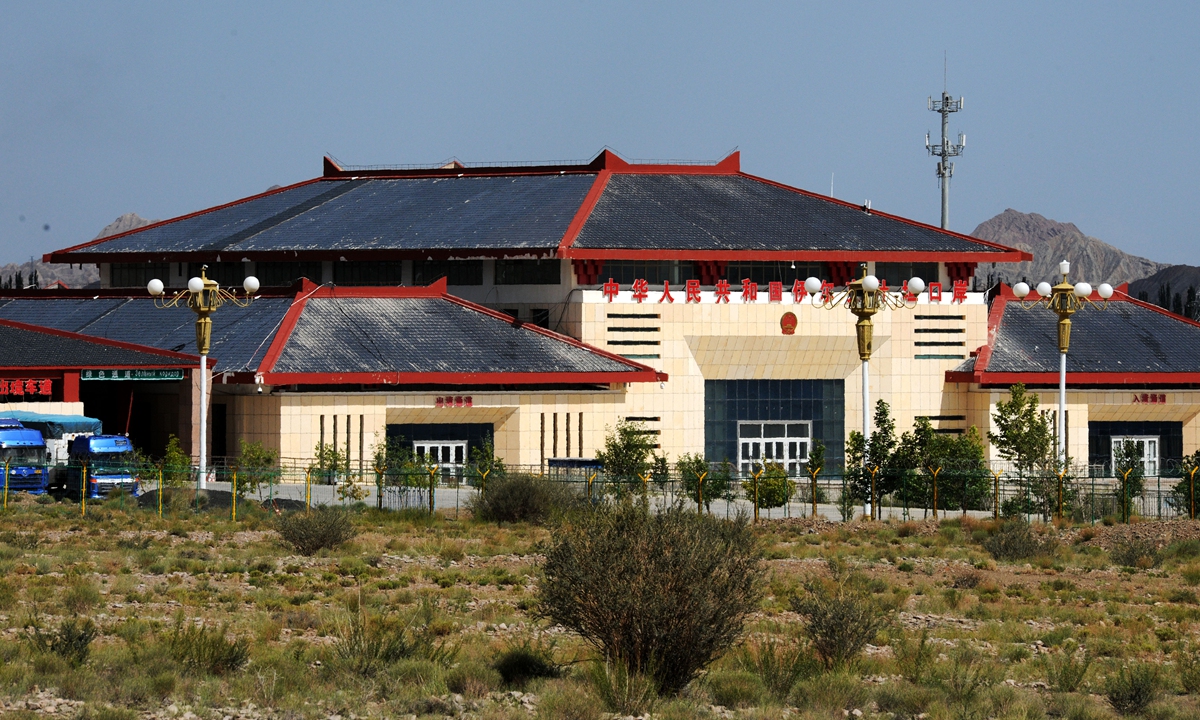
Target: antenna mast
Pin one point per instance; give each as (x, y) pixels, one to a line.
(946, 150)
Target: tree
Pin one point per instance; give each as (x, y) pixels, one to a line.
(1129, 468)
(394, 460)
(256, 465)
(1023, 433)
(626, 453)
(328, 462)
(176, 465)
(692, 467)
(483, 460)
(1189, 483)
(775, 488)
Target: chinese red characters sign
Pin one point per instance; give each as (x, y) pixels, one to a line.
(26, 387)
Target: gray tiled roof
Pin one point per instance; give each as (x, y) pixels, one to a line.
(730, 212)
(505, 212)
(240, 336)
(1124, 338)
(29, 348)
(406, 335)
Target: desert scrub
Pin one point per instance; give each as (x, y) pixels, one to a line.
(1133, 688)
(316, 529)
(1135, 553)
(206, 649)
(840, 615)
(520, 497)
(528, 660)
(72, 641)
(661, 594)
(779, 664)
(1015, 540)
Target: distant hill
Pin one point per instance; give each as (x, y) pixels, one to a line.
(1165, 286)
(1050, 242)
(75, 276)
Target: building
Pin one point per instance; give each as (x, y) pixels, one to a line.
(671, 291)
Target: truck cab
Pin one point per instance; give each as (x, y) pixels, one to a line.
(23, 454)
(108, 461)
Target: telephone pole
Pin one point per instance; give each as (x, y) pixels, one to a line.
(945, 150)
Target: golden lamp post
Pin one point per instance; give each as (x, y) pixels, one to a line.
(864, 298)
(1064, 300)
(204, 296)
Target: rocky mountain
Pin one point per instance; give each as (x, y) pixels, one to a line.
(1164, 285)
(75, 276)
(1050, 242)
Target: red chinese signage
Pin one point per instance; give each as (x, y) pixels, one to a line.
(1150, 399)
(640, 291)
(26, 387)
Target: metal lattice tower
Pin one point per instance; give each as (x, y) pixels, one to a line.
(945, 150)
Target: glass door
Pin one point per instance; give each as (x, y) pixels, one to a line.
(1147, 447)
(449, 455)
(784, 443)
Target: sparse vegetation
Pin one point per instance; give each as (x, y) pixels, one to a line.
(321, 528)
(521, 497)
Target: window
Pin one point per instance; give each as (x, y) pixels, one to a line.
(783, 443)
(768, 272)
(456, 272)
(540, 317)
(528, 272)
(896, 274)
(130, 275)
(368, 273)
(278, 274)
(227, 274)
(1147, 448)
(654, 272)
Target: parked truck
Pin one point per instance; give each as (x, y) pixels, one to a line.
(23, 453)
(101, 464)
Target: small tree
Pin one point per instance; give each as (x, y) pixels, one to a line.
(256, 465)
(329, 462)
(775, 488)
(1023, 432)
(1189, 482)
(176, 465)
(483, 460)
(662, 594)
(626, 453)
(691, 468)
(1129, 467)
(394, 460)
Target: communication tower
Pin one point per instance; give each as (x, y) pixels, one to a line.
(946, 149)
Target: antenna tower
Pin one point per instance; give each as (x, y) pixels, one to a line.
(946, 149)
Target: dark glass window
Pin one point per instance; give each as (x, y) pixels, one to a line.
(1100, 435)
(528, 272)
(277, 274)
(730, 402)
(228, 274)
(653, 272)
(896, 274)
(540, 317)
(768, 272)
(129, 275)
(456, 272)
(368, 273)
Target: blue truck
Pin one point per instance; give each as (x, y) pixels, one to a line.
(109, 463)
(24, 456)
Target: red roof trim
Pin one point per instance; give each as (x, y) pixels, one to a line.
(145, 349)
(584, 212)
(576, 253)
(56, 255)
(287, 325)
(530, 378)
(605, 160)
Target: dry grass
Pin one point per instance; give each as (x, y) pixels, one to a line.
(996, 632)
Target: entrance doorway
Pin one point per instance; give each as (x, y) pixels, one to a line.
(783, 443)
(1147, 447)
(446, 454)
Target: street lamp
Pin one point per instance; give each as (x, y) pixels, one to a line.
(864, 298)
(204, 296)
(1064, 300)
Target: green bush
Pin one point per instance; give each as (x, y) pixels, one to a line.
(567, 701)
(832, 693)
(775, 488)
(914, 657)
(367, 643)
(1133, 688)
(206, 649)
(621, 691)
(1015, 541)
(840, 616)
(472, 679)
(1187, 662)
(1065, 671)
(1135, 553)
(316, 529)
(72, 641)
(527, 661)
(905, 701)
(520, 497)
(736, 689)
(662, 594)
(779, 665)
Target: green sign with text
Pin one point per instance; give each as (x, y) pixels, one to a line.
(130, 374)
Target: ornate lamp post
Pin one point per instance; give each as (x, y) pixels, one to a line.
(864, 298)
(1064, 300)
(204, 297)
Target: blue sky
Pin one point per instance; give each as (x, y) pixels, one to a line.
(1083, 112)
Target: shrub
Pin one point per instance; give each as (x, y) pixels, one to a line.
(206, 649)
(1131, 690)
(831, 692)
(914, 657)
(1135, 553)
(520, 497)
(567, 701)
(81, 597)
(1065, 672)
(1187, 661)
(367, 643)
(316, 529)
(662, 594)
(904, 701)
(72, 640)
(967, 579)
(736, 689)
(472, 679)
(1015, 541)
(841, 616)
(519, 664)
(780, 666)
(621, 691)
